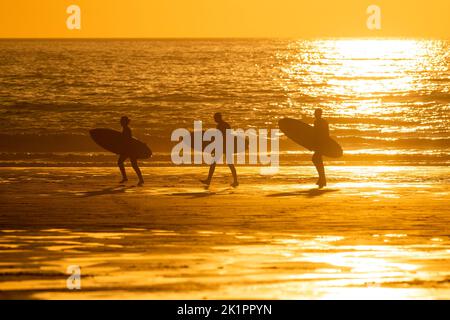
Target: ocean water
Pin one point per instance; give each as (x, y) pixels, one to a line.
(387, 101)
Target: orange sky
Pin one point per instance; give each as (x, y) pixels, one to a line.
(224, 18)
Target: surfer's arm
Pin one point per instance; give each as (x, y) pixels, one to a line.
(127, 134)
(316, 127)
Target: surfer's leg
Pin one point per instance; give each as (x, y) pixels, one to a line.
(318, 163)
(233, 172)
(212, 167)
(135, 166)
(324, 176)
(120, 163)
(323, 179)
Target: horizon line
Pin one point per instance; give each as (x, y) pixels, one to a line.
(231, 38)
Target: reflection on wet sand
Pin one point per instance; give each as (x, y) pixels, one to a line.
(211, 264)
(376, 232)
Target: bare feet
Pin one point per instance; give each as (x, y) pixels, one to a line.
(235, 184)
(206, 182)
(123, 180)
(321, 183)
(140, 183)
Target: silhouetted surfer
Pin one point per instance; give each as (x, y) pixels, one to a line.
(222, 126)
(321, 133)
(126, 131)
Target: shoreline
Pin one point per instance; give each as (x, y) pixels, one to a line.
(165, 161)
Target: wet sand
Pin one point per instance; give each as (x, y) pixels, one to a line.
(374, 232)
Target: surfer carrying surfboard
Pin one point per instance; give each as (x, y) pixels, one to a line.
(222, 126)
(322, 133)
(126, 132)
(314, 138)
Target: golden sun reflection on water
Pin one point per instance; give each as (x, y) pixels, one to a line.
(362, 71)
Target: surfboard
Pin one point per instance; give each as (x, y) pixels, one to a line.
(114, 141)
(204, 144)
(304, 135)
